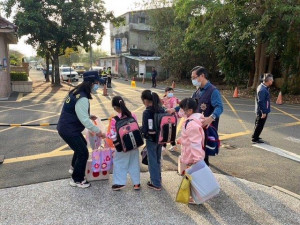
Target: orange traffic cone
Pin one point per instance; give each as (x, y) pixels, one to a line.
(279, 99)
(173, 84)
(236, 93)
(104, 90)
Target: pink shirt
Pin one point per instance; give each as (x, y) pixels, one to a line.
(170, 102)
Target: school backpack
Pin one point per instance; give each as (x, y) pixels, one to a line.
(129, 136)
(165, 125)
(212, 141)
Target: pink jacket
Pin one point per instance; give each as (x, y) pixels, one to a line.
(192, 140)
(170, 102)
(112, 133)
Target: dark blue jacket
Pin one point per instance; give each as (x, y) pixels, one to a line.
(68, 123)
(148, 114)
(263, 99)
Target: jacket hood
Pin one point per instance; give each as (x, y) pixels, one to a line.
(197, 117)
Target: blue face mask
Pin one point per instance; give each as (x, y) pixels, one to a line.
(170, 95)
(196, 83)
(95, 88)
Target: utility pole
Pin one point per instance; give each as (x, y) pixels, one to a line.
(91, 56)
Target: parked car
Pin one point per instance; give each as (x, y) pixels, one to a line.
(80, 70)
(67, 73)
(99, 69)
(39, 67)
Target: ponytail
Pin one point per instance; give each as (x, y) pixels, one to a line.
(153, 97)
(118, 101)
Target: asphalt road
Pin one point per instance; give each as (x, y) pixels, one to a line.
(37, 154)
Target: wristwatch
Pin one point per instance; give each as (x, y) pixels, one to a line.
(213, 116)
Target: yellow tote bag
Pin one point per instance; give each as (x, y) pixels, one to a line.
(184, 191)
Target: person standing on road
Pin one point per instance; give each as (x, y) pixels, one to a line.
(124, 162)
(153, 105)
(209, 99)
(263, 106)
(75, 116)
(154, 75)
(108, 77)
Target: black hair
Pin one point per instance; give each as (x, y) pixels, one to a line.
(118, 101)
(200, 70)
(168, 89)
(85, 86)
(153, 97)
(188, 103)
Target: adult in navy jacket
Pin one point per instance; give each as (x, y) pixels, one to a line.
(262, 106)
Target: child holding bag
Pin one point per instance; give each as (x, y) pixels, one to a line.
(124, 162)
(192, 134)
(153, 105)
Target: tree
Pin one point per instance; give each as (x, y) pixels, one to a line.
(15, 58)
(59, 24)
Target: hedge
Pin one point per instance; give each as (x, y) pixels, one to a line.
(18, 76)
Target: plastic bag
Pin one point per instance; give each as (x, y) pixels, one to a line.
(184, 191)
(93, 140)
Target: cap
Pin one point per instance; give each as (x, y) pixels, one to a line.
(91, 76)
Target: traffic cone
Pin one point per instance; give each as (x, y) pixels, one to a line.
(279, 99)
(133, 84)
(236, 93)
(104, 90)
(173, 84)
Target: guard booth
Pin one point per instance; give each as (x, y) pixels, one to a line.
(8, 35)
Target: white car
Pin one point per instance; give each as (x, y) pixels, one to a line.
(39, 67)
(67, 73)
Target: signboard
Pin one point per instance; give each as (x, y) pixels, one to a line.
(118, 46)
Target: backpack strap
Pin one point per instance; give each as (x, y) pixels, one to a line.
(116, 118)
(186, 123)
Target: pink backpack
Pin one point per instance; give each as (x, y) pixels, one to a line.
(165, 126)
(129, 136)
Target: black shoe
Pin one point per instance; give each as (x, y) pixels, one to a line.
(258, 141)
(153, 187)
(117, 187)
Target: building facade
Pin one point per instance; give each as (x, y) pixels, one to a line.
(7, 36)
(133, 52)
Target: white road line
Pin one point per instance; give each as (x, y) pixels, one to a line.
(293, 139)
(279, 151)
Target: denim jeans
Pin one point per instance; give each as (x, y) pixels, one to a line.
(154, 164)
(81, 154)
(126, 162)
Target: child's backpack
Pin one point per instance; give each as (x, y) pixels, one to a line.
(212, 141)
(165, 125)
(129, 136)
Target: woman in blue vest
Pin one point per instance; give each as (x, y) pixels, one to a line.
(75, 116)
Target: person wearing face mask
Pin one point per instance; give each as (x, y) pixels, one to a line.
(208, 97)
(75, 117)
(192, 134)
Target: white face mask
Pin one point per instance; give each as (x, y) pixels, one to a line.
(170, 95)
(196, 82)
(95, 88)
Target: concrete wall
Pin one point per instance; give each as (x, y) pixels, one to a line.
(5, 86)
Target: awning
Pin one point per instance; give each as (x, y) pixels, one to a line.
(143, 58)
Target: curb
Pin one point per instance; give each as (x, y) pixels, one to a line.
(287, 192)
(1, 159)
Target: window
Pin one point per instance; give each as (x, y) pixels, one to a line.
(142, 20)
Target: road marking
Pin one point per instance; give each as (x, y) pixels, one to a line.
(288, 114)
(293, 139)
(286, 192)
(283, 125)
(20, 97)
(278, 151)
(236, 114)
(238, 134)
(43, 129)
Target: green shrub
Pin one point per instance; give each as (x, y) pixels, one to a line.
(18, 76)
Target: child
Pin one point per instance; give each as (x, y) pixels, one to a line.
(170, 101)
(124, 162)
(192, 134)
(153, 105)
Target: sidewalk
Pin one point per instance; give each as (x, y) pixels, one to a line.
(239, 202)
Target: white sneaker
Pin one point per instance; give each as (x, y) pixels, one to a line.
(173, 148)
(83, 184)
(71, 170)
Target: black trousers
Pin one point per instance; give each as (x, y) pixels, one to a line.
(153, 81)
(81, 154)
(108, 82)
(259, 126)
